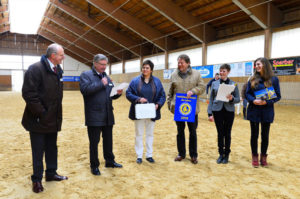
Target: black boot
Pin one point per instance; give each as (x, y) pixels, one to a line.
(225, 159)
(220, 159)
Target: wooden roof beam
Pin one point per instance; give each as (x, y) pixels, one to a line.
(120, 39)
(73, 49)
(100, 46)
(134, 24)
(261, 14)
(78, 58)
(71, 39)
(181, 18)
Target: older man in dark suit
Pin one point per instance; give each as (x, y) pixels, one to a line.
(95, 87)
(43, 92)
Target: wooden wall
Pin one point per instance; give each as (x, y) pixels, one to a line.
(5, 83)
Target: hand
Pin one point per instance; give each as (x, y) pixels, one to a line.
(259, 102)
(119, 91)
(143, 100)
(104, 81)
(211, 118)
(229, 96)
(156, 106)
(189, 94)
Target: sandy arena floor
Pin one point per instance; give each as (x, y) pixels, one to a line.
(165, 178)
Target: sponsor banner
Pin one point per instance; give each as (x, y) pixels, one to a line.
(71, 78)
(205, 71)
(185, 108)
(239, 69)
(285, 66)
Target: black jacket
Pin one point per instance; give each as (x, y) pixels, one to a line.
(43, 92)
(97, 101)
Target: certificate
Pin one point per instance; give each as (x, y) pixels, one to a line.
(121, 86)
(185, 108)
(145, 111)
(223, 91)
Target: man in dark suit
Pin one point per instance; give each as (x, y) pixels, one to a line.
(95, 87)
(43, 92)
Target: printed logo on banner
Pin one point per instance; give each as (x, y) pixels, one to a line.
(205, 71)
(185, 109)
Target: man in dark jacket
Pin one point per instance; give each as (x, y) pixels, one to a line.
(43, 92)
(95, 87)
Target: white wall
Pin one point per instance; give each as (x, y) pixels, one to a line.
(73, 67)
(236, 51)
(132, 66)
(194, 54)
(158, 61)
(286, 43)
(116, 68)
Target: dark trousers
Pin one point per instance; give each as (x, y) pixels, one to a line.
(265, 129)
(224, 120)
(193, 138)
(94, 138)
(43, 143)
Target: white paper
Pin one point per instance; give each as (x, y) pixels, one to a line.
(145, 111)
(223, 91)
(121, 86)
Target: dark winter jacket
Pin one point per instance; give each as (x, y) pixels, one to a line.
(97, 101)
(262, 113)
(43, 92)
(133, 94)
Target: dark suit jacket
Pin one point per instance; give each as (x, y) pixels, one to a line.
(43, 92)
(265, 113)
(97, 101)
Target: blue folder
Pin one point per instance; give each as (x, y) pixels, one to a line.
(185, 108)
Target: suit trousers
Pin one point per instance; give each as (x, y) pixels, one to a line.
(43, 143)
(223, 121)
(265, 129)
(94, 138)
(140, 126)
(193, 138)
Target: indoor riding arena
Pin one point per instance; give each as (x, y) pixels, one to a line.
(129, 32)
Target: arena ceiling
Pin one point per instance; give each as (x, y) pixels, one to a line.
(127, 29)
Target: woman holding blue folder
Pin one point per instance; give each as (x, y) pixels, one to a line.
(262, 92)
(145, 88)
(223, 113)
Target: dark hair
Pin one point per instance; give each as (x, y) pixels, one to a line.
(185, 58)
(225, 66)
(217, 74)
(150, 63)
(266, 75)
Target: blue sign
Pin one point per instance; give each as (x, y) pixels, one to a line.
(71, 78)
(248, 68)
(205, 71)
(185, 108)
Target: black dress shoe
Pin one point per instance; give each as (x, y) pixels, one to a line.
(150, 159)
(220, 159)
(95, 171)
(194, 160)
(225, 159)
(113, 165)
(56, 177)
(139, 160)
(37, 187)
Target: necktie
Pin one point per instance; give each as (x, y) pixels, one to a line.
(54, 69)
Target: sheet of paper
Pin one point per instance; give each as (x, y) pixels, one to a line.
(121, 86)
(224, 90)
(145, 111)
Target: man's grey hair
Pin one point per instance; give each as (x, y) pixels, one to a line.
(99, 57)
(52, 49)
